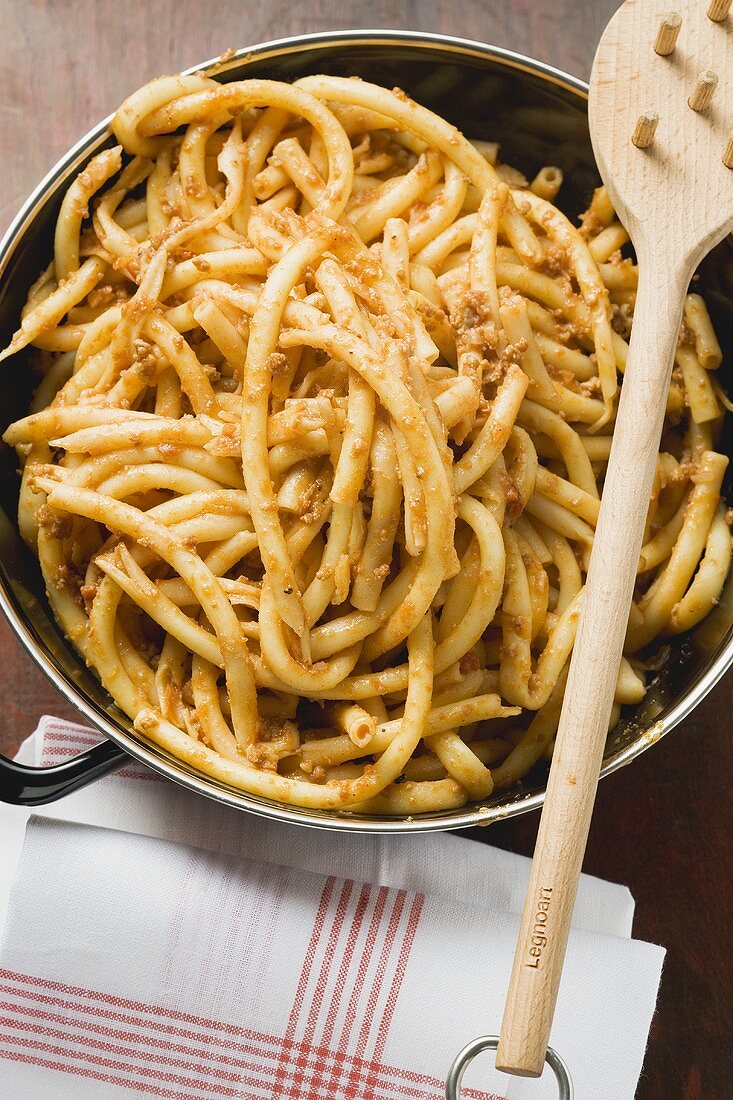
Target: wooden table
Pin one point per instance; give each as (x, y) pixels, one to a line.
(662, 826)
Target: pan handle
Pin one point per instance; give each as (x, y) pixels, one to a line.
(22, 785)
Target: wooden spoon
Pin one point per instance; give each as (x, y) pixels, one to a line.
(674, 194)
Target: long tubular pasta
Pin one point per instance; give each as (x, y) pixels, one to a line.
(395, 252)
(240, 595)
(254, 93)
(208, 710)
(169, 679)
(314, 466)
(698, 321)
(542, 293)
(196, 197)
(519, 682)
(136, 525)
(547, 182)
(698, 388)
(529, 534)
(560, 519)
(658, 482)
(434, 254)
(103, 438)
(457, 401)
(28, 500)
(295, 484)
(520, 234)
(75, 207)
(300, 168)
(520, 458)
(562, 357)
(373, 566)
(397, 195)
(408, 324)
(59, 420)
(618, 277)
(300, 678)
(493, 488)
(458, 592)
(699, 439)
(493, 436)
(226, 555)
(597, 447)
(568, 569)
(342, 793)
(155, 94)
(92, 471)
(321, 591)
(134, 664)
(706, 586)
(194, 381)
(607, 241)
(660, 546)
(409, 115)
(40, 290)
(594, 293)
(167, 395)
(49, 312)
(535, 740)
(600, 212)
(539, 588)
(157, 207)
(106, 656)
(630, 687)
(128, 576)
(354, 455)
(414, 501)
(94, 344)
(155, 475)
(670, 585)
(62, 338)
(482, 255)
(357, 723)
(269, 181)
(426, 223)
(338, 634)
(462, 764)
(571, 447)
(227, 502)
(514, 318)
(262, 344)
(113, 238)
(65, 608)
(337, 750)
(123, 346)
(487, 593)
(568, 495)
(231, 263)
(467, 687)
(410, 798)
(404, 410)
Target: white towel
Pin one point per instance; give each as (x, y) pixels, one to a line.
(159, 944)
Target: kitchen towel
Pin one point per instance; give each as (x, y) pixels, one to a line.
(159, 944)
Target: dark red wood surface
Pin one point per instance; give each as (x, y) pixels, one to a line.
(663, 825)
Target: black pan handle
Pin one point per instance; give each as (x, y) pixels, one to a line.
(21, 785)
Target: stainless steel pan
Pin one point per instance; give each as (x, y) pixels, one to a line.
(538, 114)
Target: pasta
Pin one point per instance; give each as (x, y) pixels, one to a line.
(314, 468)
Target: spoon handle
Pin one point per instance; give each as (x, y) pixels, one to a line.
(583, 728)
